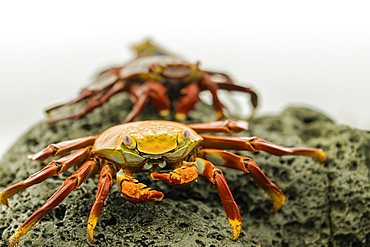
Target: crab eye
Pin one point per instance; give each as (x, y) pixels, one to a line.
(185, 135)
(127, 140)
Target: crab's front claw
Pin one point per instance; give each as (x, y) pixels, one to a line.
(181, 176)
(136, 192)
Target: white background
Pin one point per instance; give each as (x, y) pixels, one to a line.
(310, 53)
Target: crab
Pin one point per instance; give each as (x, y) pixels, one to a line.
(171, 152)
(155, 76)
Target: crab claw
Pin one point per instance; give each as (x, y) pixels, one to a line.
(181, 176)
(136, 192)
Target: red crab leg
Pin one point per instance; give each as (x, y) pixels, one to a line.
(256, 144)
(63, 147)
(140, 95)
(159, 98)
(226, 78)
(188, 101)
(93, 103)
(105, 183)
(215, 176)
(70, 184)
(207, 83)
(104, 81)
(52, 169)
(184, 175)
(228, 84)
(133, 191)
(227, 126)
(227, 159)
(233, 87)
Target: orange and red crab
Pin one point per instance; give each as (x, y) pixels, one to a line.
(171, 152)
(155, 76)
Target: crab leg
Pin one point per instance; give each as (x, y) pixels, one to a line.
(70, 184)
(63, 147)
(52, 169)
(188, 101)
(215, 176)
(233, 87)
(133, 191)
(105, 80)
(140, 95)
(227, 159)
(256, 144)
(227, 126)
(228, 84)
(184, 175)
(207, 83)
(105, 183)
(93, 103)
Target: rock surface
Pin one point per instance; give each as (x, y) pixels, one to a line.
(326, 205)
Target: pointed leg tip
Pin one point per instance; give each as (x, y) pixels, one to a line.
(14, 239)
(90, 237)
(236, 224)
(277, 206)
(321, 156)
(164, 113)
(180, 116)
(32, 157)
(219, 115)
(4, 201)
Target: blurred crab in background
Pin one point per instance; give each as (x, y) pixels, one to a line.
(171, 152)
(155, 76)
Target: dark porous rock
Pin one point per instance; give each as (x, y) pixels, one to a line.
(326, 205)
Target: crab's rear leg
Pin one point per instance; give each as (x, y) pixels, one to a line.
(227, 159)
(71, 183)
(92, 103)
(215, 176)
(103, 84)
(256, 144)
(104, 80)
(63, 147)
(226, 126)
(207, 83)
(234, 87)
(228, 84)
(52, 169)
(107, 173)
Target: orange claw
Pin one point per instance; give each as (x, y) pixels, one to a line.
(181, 176)
(136, 192)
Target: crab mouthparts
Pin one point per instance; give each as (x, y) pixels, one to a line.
(158, 162)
